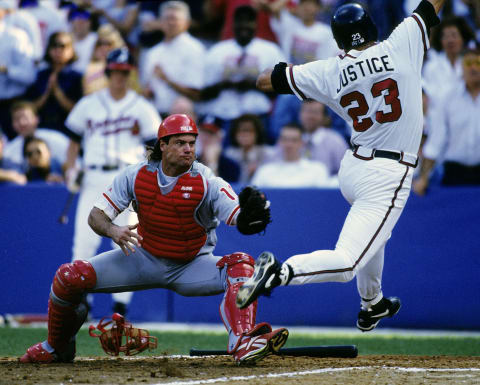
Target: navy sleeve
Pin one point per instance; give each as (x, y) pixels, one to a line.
(427, 13)
(279, 79)
(72, 135)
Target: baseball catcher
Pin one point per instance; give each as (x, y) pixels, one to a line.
(179, 203)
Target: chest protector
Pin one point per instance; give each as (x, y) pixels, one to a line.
(166, 222)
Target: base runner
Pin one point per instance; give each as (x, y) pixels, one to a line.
(376, 87)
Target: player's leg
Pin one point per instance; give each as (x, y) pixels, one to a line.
(122, 300)
(66, 313)
(374, 306)
(358, 242)
(379, 193)
(85, 240)
(206, 275)
(108, 272)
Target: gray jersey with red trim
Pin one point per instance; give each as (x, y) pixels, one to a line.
(372, 89)
(220, 202)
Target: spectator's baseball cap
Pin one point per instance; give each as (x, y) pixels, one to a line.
(210, 124)
(78, 13)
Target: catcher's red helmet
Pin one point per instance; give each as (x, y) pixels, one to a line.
(177, 124)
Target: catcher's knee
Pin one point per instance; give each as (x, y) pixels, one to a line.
(72, 280)
(240, 267)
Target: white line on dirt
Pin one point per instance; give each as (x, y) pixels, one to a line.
(317, 371)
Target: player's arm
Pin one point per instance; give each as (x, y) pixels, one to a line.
(12, 176)
(111, 203)
(275, 80)
(421, 184)
(73, 150)
(123, 236)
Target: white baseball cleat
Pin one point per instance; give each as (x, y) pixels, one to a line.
(260, 342)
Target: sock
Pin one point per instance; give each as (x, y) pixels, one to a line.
(47, 347)
(368, 303)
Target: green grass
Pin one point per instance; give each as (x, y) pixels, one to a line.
(14, 341)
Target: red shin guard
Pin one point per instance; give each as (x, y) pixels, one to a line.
(240, 267)
(65, 316)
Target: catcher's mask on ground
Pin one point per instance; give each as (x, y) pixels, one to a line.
(122, 337)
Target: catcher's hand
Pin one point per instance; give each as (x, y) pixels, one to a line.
(254, 211)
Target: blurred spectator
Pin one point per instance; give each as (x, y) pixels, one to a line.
(17, 69)
(456, 132)
(443, 69)
(94, 78)
(232, 67)
(285, 110)
(58, 86)
(83, 37)
(224, 10)
(49, 19)
(25, 124)
(303, 39)
(122, 14)
(24, 20)
(10, 171)
(247, 145)
(183, 105)
(322, 143)
(211, 154)
(292, 170)
(175, 66)
(40, 165)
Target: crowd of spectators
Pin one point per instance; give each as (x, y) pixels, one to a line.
(202, 58)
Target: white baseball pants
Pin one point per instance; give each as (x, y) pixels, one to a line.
(377, 190)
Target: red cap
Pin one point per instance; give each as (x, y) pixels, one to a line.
(177, 124)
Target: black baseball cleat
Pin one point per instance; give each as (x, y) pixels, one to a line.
(369, 319)
(265, 277)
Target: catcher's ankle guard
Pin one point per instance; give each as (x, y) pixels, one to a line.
(113, 342)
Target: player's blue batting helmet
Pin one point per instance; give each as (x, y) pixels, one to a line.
(352, 26)
(119, 59)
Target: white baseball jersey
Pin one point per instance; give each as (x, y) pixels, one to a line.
(227, 60)
(182, 60)
(302, 43)
(113, 131)
(372, 88)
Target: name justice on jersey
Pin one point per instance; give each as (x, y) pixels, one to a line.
(364, 68)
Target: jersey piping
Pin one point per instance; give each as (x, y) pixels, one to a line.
(293, 86)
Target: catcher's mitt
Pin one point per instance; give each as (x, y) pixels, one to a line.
(254, 211)
(122, 337)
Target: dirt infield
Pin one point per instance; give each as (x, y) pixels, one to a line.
(410, 370)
